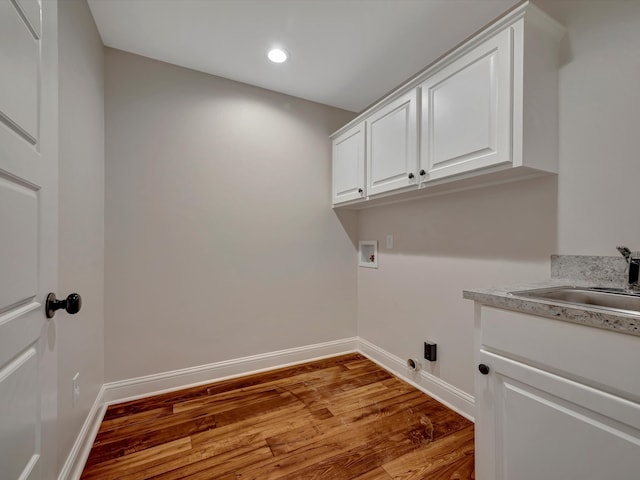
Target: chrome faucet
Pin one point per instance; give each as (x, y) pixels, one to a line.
(633, 261)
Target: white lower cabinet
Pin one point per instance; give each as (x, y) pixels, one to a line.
(555, 401)
(546, 426)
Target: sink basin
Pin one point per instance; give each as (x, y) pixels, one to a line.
(594, 297)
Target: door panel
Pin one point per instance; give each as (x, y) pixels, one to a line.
(19, 240)
(348, 165)
(28, 238)
(466, 111)
(19, 410)
(392, 145)
(545, 426)
(31, 11)
(464, 103)
(544, 436)
(19, 60)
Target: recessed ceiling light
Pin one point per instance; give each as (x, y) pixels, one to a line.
(278, 55)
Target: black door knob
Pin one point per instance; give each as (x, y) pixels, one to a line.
(411, 175)
(71, 304)
(359, 190)
(484, 369)
(422, 173)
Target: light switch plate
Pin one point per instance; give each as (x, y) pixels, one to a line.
(75, 392)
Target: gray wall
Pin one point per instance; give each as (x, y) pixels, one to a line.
(220, 239)
(220, 242)
(81, 215)
(504, 235)
(598, 189)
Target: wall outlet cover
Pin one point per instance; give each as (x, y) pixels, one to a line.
(75, 389)
(430, 351)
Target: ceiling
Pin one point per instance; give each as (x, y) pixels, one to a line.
(344, 53)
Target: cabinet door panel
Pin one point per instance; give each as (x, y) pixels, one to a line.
(561, 347)
(545, 426)
(348, 165)
(392, 147)
(466, 111)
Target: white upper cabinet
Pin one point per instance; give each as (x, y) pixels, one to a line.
(466, 111)
(392, 145)
(487, 112)
(348, 165)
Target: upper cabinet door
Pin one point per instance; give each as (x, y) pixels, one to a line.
(348, 165)
(466, 111)
(392, 145)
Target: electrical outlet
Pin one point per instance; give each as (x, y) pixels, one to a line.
(430, 351)
(75, 389)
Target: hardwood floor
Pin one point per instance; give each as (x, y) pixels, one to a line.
(340, 418)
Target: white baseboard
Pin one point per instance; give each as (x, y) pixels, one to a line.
(130, 389)
(72, 468)
(445, 393)
(139, 387)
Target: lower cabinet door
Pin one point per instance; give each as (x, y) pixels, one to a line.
(533, 425)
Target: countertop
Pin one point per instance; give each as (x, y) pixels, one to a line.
(592, 317)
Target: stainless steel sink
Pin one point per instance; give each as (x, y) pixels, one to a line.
(594, 297)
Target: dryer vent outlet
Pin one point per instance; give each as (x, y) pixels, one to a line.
(413, 364)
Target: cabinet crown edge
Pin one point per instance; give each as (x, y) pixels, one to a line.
(527, 10)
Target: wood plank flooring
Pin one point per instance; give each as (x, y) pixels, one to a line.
(341, 418)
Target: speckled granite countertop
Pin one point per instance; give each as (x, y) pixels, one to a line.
(567, 271)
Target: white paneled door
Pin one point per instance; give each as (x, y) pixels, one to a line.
(28, 237)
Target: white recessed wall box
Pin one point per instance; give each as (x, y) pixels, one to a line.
(368, 253)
